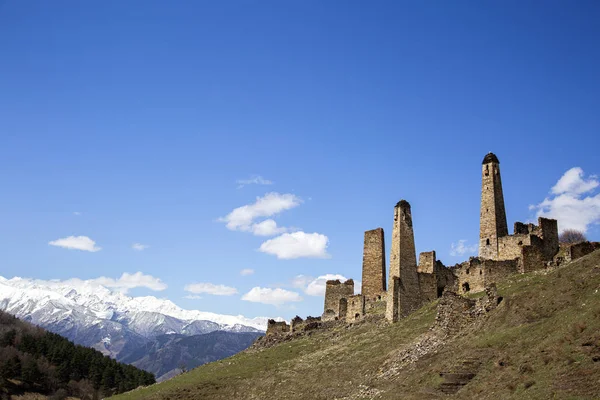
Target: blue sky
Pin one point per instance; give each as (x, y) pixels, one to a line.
(142, 116)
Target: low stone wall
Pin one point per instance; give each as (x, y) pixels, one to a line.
(277, 328)
(356, 308)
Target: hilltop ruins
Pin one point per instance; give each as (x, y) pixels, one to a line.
(412, 284)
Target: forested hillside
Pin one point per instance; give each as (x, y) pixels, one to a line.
(35, 360)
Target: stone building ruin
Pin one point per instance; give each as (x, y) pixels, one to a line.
(415, 281)
(412, 284)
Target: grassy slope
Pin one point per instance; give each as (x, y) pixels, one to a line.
(542, 342)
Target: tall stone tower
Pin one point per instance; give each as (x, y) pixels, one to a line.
(373, 268)
(403, 264)
(492, 217)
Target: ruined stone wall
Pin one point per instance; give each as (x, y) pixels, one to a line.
(535, 245)
(356, 308)
(531, 259)
(428, 285)
(277, 328)
(373, 268)
(470, 276)
(300, 325)
(403, 260)
(336, 290)
(549, 233)
(342, 308)
(581, 249)
(492, 218)
(391, 307)
(445, 278)
(509, 247)
(497, 270)
(427, 262)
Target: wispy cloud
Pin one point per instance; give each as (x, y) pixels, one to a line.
(192, 297)
(139, 246)
(461, 248)
(268, 227)
(271, 296)
(572, 202)
(243, 218)
(77, 213)
(253, 180)
(130, 281)
(83, 243)
(246, 271)
(296, 245)
(209, 288)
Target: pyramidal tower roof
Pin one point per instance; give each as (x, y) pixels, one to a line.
(490, 157)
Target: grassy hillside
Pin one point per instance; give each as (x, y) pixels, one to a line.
(542, 342)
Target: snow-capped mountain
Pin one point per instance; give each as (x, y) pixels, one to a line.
(110, 321)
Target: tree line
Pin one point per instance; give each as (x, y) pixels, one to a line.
(35, 360)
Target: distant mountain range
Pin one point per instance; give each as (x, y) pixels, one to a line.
(121, 326)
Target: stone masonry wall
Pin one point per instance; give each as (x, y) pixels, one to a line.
(373, 268)
(470, 276)
(277, 328)
(531, 259)
(581, 249)
(495, 271)
(336, 290)
(356, 308)
(391, 307)
(509, 247)
(403, 260)
(427, 262)
(428, 285)
(549, 233)
(445, 278)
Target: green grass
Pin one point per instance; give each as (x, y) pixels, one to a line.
(540, 343)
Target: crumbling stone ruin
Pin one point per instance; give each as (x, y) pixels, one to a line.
(277, 327)
(410, 285)
(373, 269)
(336, 296)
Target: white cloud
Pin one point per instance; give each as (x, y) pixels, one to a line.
(242, 218)
(129, 281)
(209, 288)
(253, 180)
(76, 243)
(274, 297)
(296, 245)
(569, 204)
(139, 246)
(573, 182)
(268, 227)
(301, 281)
(317, 286)
(246, 271)
(192, 297)
(77, 213)
(461, 248)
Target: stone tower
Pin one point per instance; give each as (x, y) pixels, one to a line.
(492, 218)
(403, 264)
(373, 268)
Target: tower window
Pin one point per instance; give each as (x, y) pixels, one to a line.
(487, 170)
(465, 287)
(487, 242)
